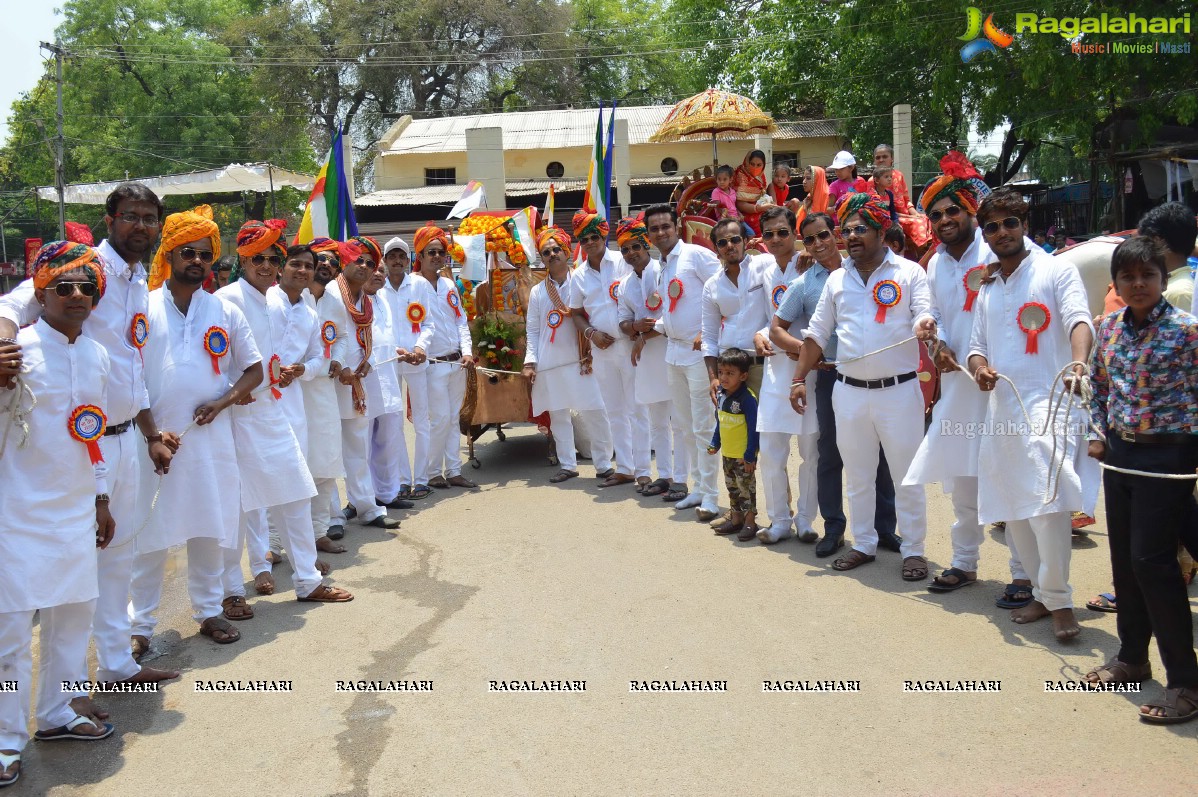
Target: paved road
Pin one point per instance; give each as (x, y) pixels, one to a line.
(527, 581)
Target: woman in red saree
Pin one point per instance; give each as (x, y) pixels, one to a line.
(915, 224)
(815, 184)
(751, 184)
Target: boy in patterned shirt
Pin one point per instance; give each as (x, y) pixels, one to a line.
(736, 433)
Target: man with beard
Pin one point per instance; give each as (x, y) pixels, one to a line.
(274, 474)
(452, 353)
(946, 455)
(1031, 320)
(406, 297)
(873, 304)
(118, 324)
(198, 346)
(593, 302)
(638, 312)
(685, 269)
(321, 408)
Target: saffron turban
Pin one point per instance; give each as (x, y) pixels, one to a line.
(872, 210)
(632, 228)
(369, 246)
(553, 234)
(956, 183)
(178, 229)
(62, 257)
(255, 237)
(589, 224)
(426, 235)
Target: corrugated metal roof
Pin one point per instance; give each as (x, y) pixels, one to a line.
(564, 128)
(424, 195)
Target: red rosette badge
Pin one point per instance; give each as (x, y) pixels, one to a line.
(416, 314)
(216, 343)
(274, 370)
(887, 294)
(1033, 318)
(328, 334)
(455, 302)
(139, 331)
(86, 425)
(653, 303)
(554, 320)
(973, 284)
(674, 291)
(613, 291)
(777, 294)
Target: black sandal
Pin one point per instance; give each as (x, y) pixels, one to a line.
(656, 487)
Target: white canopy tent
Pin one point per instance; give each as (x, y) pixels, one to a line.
(236, 177)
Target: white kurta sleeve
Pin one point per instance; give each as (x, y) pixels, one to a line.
(313, 357)
(20, 306)
(532, 326)
(707, 265)
(823, 320)
(577, 293)
(104, 367)
(977, 336)
(244, 351)
(625, 309)
(428, 327)
(711, 320)
(937, 315)
(464, 338)
(921, 298)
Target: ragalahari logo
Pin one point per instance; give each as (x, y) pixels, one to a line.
(982, 37)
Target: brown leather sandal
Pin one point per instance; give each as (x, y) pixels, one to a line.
(917, 570)
(235, 608)
(851, 560)
(1119, 672)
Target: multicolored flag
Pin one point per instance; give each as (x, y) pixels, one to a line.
(598, 189)
(473, 198)
(548, 214)
(330, 209)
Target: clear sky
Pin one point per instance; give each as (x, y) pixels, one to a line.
(26, 23)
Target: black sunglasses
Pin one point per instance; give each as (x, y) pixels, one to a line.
(635, 246)
(952, 211)
(590, 239)
(1010, 222)
(770, 235)
(856, 229)
(65, 289)
(551, 251)
(734, 240)
(274, 260)
(822, 235)
(188, 253)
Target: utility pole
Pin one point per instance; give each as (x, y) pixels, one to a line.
(59, 166)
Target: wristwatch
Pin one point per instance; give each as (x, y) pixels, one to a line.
(154, 438)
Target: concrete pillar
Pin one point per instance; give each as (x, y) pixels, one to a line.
(484, 162)
(765, 143)
(901, 119)
(622, 169)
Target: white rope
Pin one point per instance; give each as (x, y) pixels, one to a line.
(16, 415)
(902, 342)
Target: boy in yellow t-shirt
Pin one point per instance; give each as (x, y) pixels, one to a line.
(736, 433)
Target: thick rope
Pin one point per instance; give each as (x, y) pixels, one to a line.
(16, 415)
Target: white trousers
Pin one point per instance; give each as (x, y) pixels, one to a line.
(110, 624)
(775, 476)
(668, 443)
(205, 568)
(322, 507)
(968, 533)
(446, 388)
(597, 430)
(690, 391)
(1045, 544)
(411, 472)
(893, 417)
(255, 531)
(63, 632)
(355, 450)
(387, 450)
(629, 420)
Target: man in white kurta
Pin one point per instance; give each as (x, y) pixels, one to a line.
(1031, 320)
(133, 216)
(321, 407)
(451, 353)
(385, 407)
(777, 421)
(408, 296)
(685, 269)
(949, 451)
(197, 347)
(51, 503)
(876, 304)
(638, 312)
(594, 299)
(560, 382)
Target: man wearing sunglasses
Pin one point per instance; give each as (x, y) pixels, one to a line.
(133, 214)
(1031, 320)
(685, 269)
(594, 298)
(946, 455)
(878, 306)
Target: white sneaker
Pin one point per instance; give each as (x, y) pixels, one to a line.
(773, 534)
(690, 502)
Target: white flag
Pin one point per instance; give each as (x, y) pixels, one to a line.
(473, 198)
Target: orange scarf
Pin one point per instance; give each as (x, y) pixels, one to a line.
(363, 319)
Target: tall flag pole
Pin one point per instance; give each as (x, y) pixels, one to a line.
(549, 207)
(608, 151)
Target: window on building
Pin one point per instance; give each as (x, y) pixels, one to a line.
(440, 176)
(791, 159)
(669, 166)
(554, 170)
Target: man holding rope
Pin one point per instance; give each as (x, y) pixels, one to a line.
(1032, 322)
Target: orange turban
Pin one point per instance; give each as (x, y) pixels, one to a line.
(255, 237)
(62, 257)
(632, 228)
(956, 183)
(370, 245)
(183, 228)
(426, 235)
(867, 206)
(590, 223)
(553, 234)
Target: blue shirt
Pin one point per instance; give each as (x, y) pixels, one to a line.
(798, 305)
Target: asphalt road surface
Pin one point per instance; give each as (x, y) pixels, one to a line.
(523, 581)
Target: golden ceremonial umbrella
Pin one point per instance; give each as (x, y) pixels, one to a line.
(713, 113)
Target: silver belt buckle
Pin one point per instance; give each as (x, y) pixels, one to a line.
(1127, 437)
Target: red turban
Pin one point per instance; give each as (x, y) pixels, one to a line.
(553, 234)
(871, 210)
(426, 235)
(590, 223)
(632, 228)
(955, 184)
(79, 233)
(368, 245)
(255, 237)
(62, 257)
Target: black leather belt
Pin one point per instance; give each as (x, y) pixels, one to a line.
(449, 358)
(758, 361)
(120, 428)
(1149, 439)
(875, 384)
